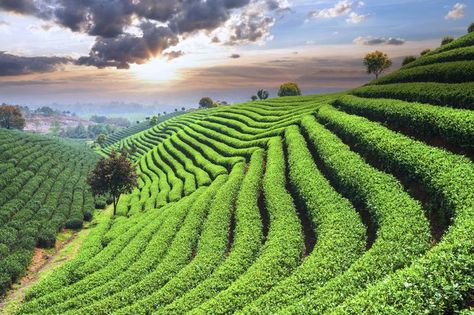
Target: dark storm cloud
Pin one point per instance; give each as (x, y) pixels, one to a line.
(15, 65)
(19, 6)
(125, 49)
(161, 24)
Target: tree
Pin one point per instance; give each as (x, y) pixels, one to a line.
(45, 111)
(254, 98)
(154, 120)
(376, 62)
(446, 40)
(470, 29)
(183, 109)
(101, 139)
(289, 89)
(11, 117)
(206, 102)
(175, 110)
(425, 51)
(262, 94)
(114, 176)
(408, 59)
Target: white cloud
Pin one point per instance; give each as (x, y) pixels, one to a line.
(355, 18)
(341, 8)
(457, 12)
(372, 41)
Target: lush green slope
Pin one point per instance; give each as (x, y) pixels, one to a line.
(42, 190)
(346, 204)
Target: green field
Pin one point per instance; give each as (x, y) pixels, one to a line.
(359, 202)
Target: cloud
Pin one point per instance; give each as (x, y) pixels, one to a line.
(19, 6)
(341, 8)
(174, 54)
(121, 51)
(134, 31)
(355, 18)
(234, 56)
(371, 41)
(3, 23)
(11, 65)
(457, 12)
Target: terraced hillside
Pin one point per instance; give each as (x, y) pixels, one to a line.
(344, 203)
(42, 190)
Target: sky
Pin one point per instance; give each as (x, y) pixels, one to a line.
(101, 54)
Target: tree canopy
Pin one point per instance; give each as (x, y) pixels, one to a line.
(262, 94)
(376, 62)
(11, 117)
(113, 176)
(206, 102)
(289, 89)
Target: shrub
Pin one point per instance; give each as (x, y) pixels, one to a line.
(289, 89)
(74, 224)
(88, 216)
(446, 40)
(470, 29)
(47, 237)
(425, 51)
(408, 59)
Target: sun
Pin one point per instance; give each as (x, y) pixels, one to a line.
(158, 69)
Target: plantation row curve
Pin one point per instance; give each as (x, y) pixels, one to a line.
(350, 203)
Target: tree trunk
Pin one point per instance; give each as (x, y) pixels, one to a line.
(376, 76)
(116, 200)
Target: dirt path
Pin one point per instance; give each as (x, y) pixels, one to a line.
(44, 261)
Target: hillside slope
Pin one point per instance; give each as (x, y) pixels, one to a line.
(343, 203)
(42, 190)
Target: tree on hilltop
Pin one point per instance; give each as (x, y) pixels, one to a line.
(289, 89)
(446, 40)
(11, 117)
(376, 62)
(470, 29)
(113, 176)
(262, 94)
(207, 102)
(254, 98)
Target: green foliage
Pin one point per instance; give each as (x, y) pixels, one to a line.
(442, 278)
(454, 126)
(289, 89)
(254, 98)
(408, 59)
(425, 51)
(459, 95)
(456, 54)
(206, 102)
(42, 186)
(113, 176)
(262, 94)
(446, 40)
(11, 117)
(283, 206)
(470, 29)
(448, 72)
(377, 62)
